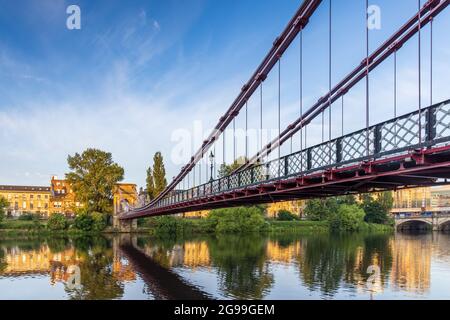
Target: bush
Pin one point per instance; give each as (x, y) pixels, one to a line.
(375, 213)
(57, 221)
(321, 209)
(99, 221)
(83, 221)
(237, 220)
(285, 215)
(166, 225)
(27, 217)
(348, 218)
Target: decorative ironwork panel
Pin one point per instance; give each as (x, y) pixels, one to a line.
(208, 190)
(401, 133)
(246, 177)
(355, 146)
(259, 173)
(297, 162)
(273, 169)
(223, 184)
(216, 186)
(234, 181)
(323, 155)
(442, 121)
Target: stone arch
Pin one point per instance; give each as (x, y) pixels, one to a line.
(444, 225)
(415, 225)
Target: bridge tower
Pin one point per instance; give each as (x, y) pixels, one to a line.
(125, 198)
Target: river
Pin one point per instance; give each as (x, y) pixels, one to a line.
(358, 266)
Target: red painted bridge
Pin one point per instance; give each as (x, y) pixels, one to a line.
(403, 151)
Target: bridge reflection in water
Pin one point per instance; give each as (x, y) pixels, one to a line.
(232, 267)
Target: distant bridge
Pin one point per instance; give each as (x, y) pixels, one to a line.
(434, 221)
(404, 151)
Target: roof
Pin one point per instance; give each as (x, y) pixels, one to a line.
(25, 188)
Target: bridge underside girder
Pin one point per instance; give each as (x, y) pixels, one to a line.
(413, 169)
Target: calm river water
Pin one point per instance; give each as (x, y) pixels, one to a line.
(227, 267)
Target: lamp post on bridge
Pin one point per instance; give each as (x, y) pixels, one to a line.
(211, 160)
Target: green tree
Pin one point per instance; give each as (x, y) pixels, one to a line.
(3, 205)
(377, 208)
(386, 200)
(347, 218)
(159, 173)
(285, 215)
(321, 209)
(348, 199)
(57, 222)
(227, 169)
(237, 220)
(93, 177)
(150, 185)
(83, 221)
(99, 221)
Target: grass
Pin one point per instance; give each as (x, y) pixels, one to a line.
(298, 226)
(8, 224)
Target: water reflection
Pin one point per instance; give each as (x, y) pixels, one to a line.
(235, 267)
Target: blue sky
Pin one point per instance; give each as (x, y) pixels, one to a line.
(139, 70)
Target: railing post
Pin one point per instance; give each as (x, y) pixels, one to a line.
(339, 150)
(239, 179)
(286, 166)
(309, 159)
(252, 175)
(430, 127)
(267, 171)
(228, 182)
(377, 140)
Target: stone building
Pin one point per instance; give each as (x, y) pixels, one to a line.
(26, 199)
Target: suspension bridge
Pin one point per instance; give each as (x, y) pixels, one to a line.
(404, 151)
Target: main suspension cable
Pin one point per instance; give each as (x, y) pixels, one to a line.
(279, 116)
(301, 93)
(367, 81)
(330, 77)
(420, 71)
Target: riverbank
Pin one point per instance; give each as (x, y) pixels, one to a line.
(178, 226)
(203, 226)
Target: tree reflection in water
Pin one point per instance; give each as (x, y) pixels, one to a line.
(97, 279)
(242, 265)
(246, 266)
(329, 260)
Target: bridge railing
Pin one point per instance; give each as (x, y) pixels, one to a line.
(422, 128)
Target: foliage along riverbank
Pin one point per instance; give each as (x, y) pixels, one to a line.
(343, 214)
(247, 220)
(342, 217)
(369, 213)
(58, 224)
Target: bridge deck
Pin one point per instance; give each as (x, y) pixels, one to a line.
(396, 158)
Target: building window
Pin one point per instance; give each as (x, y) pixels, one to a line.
(31, 205)
(24, 205)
